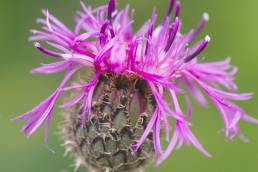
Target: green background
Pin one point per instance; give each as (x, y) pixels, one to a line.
(234, 31)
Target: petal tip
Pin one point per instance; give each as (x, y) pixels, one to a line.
(206, 16)
(207, 38)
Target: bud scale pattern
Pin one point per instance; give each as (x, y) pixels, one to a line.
(122, 106)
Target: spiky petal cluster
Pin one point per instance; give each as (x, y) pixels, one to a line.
(102, 39)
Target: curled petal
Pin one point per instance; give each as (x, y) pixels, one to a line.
(43, 112)
(53, 67)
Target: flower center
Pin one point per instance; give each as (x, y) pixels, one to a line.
(121, 108)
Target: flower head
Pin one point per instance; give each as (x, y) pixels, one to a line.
(158, 53)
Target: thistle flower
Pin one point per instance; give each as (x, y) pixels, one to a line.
(114, 119)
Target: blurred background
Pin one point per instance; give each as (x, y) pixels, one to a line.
(233, 28)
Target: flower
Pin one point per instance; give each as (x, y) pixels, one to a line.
(103, 40)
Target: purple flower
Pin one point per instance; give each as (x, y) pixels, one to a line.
(103, 40)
